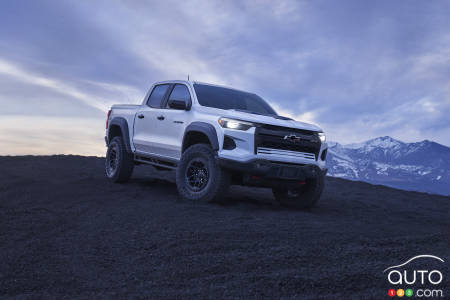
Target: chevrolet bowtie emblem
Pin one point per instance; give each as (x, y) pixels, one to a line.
(292, 138)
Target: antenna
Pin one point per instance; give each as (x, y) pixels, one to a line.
(188, 77)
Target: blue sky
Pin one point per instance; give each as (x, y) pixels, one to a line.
(359, 69)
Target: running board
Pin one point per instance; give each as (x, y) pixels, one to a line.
(155, 161)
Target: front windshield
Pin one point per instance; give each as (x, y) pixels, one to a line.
(224, 98)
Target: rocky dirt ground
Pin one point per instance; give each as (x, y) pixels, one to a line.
(66, 232)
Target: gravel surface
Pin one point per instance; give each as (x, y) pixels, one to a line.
(66, 232)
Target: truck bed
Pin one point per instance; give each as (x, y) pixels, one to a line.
(125, 106)
(128, 112)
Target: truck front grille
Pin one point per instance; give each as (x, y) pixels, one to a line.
(293, 142)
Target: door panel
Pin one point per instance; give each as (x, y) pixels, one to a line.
(170, 130)
(145, 128)
(146, 122)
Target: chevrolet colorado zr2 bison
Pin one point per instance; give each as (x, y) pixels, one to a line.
(214, 136)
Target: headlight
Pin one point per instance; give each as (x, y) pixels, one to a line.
(322, 137)
(235, 124)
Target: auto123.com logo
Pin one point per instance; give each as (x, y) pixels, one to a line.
(409, 281)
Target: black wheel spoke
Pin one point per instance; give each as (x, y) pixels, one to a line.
(197, 174)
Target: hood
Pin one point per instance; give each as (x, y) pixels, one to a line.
(244, 116)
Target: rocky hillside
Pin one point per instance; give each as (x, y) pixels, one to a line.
(422, 166)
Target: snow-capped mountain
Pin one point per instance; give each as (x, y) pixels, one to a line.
(422, 166)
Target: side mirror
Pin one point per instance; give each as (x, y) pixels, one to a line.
(178, 104)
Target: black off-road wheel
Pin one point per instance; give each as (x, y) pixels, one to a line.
(199, 176)
(119, 163)
(305, 196)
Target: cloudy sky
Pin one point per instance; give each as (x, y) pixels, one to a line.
(359, 69)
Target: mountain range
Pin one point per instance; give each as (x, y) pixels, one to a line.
(422, 166)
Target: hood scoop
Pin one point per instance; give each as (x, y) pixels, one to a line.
(283, 118)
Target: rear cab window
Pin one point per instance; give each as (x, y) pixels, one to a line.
(157, 96)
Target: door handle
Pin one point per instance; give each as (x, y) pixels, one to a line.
(140, 116)
(160, 118)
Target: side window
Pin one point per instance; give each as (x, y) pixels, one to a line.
(157, 95)
(181, 93)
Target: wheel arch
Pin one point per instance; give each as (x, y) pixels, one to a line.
(119, 127)
(200, 132)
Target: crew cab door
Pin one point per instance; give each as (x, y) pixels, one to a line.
(147, 122)
(176, 114)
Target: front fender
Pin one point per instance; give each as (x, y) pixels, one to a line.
(206, 129)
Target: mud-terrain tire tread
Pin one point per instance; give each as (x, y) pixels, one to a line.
(305, 200)
(219, 180)
(126, 162)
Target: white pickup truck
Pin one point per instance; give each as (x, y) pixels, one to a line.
(215, 136)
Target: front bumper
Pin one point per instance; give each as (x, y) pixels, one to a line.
(245, 150)
(267, 170)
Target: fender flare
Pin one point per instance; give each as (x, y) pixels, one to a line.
(205, 128)
(123, 125)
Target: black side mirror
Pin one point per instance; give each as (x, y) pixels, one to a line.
(178, 104)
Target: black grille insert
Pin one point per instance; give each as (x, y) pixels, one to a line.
(290, 139)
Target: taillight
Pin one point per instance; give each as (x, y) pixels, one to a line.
(107, 118)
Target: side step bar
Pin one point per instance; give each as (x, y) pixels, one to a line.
(155, 161)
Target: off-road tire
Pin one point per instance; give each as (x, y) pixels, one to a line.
(303, 197)
(218, 179)
(123, 161)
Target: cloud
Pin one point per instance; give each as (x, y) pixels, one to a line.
(22, 135)
(44, 115)
(309, 116)
(357, 69)
(94, 100)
